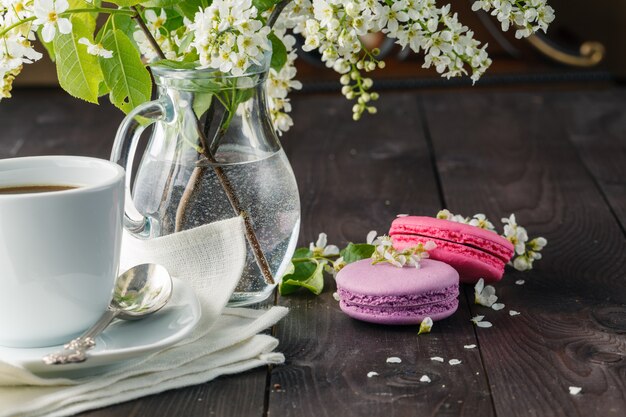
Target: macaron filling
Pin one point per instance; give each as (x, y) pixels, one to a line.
(433, 310)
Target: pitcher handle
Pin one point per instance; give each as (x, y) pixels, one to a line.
(123, 153)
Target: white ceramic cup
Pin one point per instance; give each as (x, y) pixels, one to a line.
(59, 250)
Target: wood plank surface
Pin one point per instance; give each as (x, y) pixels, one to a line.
(503, 153)
(354, 178)
(556, 159)
(596, 124)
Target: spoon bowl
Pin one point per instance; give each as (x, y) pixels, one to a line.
(139, 292)
(142, 290)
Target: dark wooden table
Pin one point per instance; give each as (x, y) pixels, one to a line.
(556, 159)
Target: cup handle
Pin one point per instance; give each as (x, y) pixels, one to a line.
(123, 153)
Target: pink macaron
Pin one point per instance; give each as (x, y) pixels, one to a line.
(474, 252)
(386, 294)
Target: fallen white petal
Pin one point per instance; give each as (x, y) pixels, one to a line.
(371, 374)
(497, 306)
(424, 378)
(476, 319)
(469, 346)
(336, 296)
(484, 324)
(437, 359)
(402, 215)
(520, 282)
(454, 362)
(514, 313)
(575, 390)
(394, 359)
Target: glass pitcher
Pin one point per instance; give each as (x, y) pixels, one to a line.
(213, 154)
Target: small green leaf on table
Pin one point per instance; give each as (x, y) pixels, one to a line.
(307, 274)
(357, 251)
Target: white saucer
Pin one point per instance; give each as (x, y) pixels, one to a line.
(122, 340)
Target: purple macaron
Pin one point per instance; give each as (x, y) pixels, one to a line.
(387, 294)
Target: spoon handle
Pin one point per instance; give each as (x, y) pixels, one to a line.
(76, 350)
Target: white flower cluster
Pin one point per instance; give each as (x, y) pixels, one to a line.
(479, 219)
(527, 251)
(527, 15)
(447, 44)
(384, 252)
(334, 27)
(15, 47)
(280, 83)
(228, 36)
(19, 21)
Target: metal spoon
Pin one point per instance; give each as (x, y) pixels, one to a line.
(139, 292)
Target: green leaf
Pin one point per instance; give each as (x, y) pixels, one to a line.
(124, 73)
(201, 103)
(103, 89)
(357, 251)
(88, 18)
(279, 52)
(122, 22)
(78, 72)
(263, 5)
(163, 4)
(307, 274)
(189, 8)
(171, 64)
(303, 253)
(125, 3)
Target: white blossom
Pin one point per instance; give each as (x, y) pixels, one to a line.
(575, 390)
(484, 295)
(394, 359)
(425, 378)
(497, 306)
(479, 220)
(515, 234)
(454, 362)
(514, 313)
(371, 374)
(437, 359)
(95, 49)
(153, 21)
(321, 248)
(47, 14)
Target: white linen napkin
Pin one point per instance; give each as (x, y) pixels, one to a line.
(226, 341)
